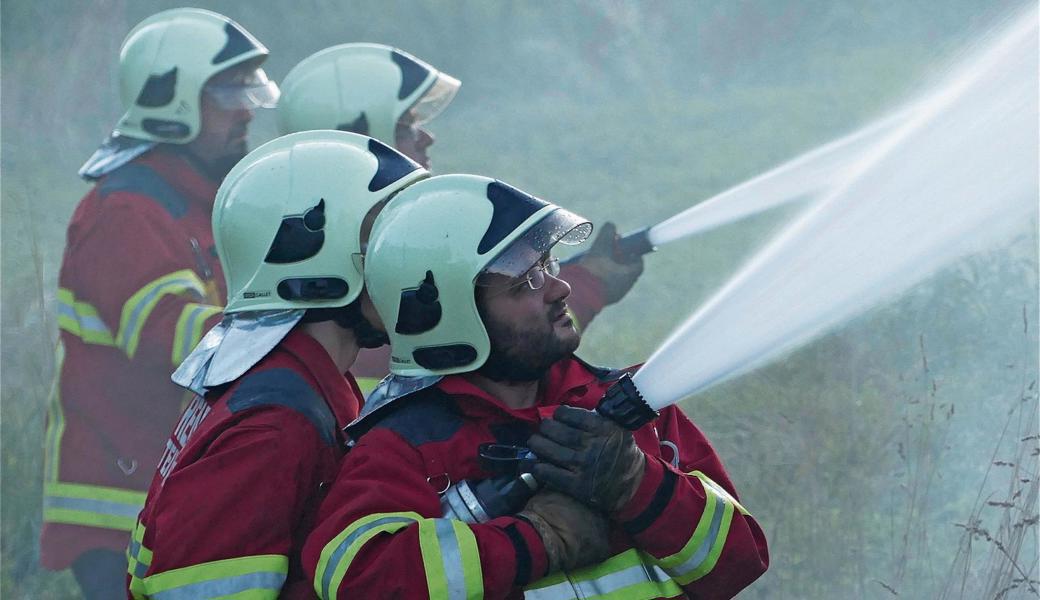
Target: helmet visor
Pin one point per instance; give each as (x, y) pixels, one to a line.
(558, 227)
(435, 100)
(255, 90)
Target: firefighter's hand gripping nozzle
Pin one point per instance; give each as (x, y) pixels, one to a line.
(479, 501)
(624, 405)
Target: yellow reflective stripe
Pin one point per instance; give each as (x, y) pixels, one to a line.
(337, 555)
(139, 558)
(630, 575)
(82, 320)
(55, 420)
(91, 505)
(139, 307)
(700, 554)
(367, 384)
(451, 560)
(448, 547)
(719, 491)
(188, 331)
(255, 577)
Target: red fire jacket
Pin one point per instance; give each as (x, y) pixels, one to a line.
(684, 531)
(584, 303)
(139, 285)
(239, 483)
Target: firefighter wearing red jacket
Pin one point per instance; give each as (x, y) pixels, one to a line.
(239, 482)
(460, 270)
(386, 93)
(139, 282)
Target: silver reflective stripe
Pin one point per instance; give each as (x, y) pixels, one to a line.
(68, 310)
(572, 589)
(218, 588)
(559, 591)
(451, 558)
(104, 507)
(142, 567)
(460, 503)
(88, 322)
(709, 541)
(92, 323)
(337, 555)
(160, 290)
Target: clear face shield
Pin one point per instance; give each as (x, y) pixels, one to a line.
(558, 227)
(433, 102)
(250, 90)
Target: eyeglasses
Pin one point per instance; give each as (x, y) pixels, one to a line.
(535, 277)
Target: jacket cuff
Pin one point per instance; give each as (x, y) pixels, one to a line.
(532, 563)
(653, 495)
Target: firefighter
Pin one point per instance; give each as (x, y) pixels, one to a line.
(139, 282)
(240, 479)
(386, 93)
(461, 271)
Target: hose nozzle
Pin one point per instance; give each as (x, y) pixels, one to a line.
(624, 405)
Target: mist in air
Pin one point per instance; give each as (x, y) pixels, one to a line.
(853, 248)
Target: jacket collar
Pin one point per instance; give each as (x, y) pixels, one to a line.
(179, 171)
(340, 390)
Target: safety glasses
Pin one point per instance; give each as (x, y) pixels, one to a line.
(535, 277)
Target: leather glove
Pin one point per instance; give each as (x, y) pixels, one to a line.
(617, 274)
(574, 535)
(588, 457)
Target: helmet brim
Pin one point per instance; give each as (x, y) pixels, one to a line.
(434, 101)
(561, 226)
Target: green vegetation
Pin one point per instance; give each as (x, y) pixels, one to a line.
(895, 457)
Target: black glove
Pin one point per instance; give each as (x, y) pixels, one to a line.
(588, 457)
(617, 273)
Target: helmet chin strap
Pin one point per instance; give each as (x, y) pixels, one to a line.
(349, 317)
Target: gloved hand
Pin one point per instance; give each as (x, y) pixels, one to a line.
(617, 274)
(588, 457)
(574, 535)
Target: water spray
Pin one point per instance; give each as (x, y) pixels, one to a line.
(944, 178)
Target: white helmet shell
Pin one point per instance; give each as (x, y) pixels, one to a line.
(288, 218)
(428, 248)
(364, 88)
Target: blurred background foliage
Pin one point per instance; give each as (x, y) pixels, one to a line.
(894, 457)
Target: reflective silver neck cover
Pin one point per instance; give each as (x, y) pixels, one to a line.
(228, 350)
(114, 152)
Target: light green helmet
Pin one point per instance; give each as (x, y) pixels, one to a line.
(364, 88)
(288, 218)
(167, 59)
(428, 250)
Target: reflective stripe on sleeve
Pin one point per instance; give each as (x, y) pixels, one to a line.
(700, 554)
(138, 559)
(55, 420)
(448, 548)
(139, 307)
(82, 320)
(630, 575)
(451, 560)
(188, 331)
(91, 505)
(255, 577)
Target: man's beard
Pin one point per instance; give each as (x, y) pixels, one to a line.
(218, 169)
(519, 356)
